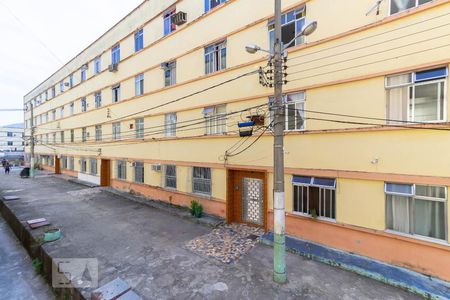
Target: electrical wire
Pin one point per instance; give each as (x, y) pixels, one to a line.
(370, 36)
(366, 64)
(162, 127)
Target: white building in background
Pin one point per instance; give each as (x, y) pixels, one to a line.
(12, 138)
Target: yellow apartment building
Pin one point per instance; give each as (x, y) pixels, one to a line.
(153, 106)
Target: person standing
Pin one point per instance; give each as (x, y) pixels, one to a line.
(7, 168)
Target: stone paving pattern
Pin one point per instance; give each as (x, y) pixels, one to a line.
(147, 248)
(227, 243)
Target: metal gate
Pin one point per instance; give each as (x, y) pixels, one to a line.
(253, 201)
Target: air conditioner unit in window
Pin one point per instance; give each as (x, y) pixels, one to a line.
(179, 18)
(156, 168)
(113, 67)
(66, 84)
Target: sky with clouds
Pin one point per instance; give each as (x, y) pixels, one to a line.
(38, 37)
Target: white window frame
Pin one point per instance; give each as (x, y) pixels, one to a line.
(202, 181)
(298, 41)
(213, 53)
(116, 130)
(215, 122)
(139, 165)
(139, 125)
(413, 196)
(413, 84)
(286, 104)
(170, 124)
(98, 133)
(170, 177)
(139, 85)
(415, 6)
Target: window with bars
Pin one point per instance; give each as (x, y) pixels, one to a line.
(294, 106)
(139, 85)
(98, 133)
(215, 57)
(418, 210)
(170, 176)
(98, 99)
(139, 172)
(201, 180)
(315, 196)
(121, 169)
(396, 6)
(417, 96)
(170, 124)
(292, 23)
(93, 166)
(215, 119)
(116, 130)
(139, 125)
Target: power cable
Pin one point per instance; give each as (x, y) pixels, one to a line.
(370, 36)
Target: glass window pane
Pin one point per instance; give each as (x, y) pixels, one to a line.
(396, 80)
(431, 74)
(397, 188)
(401, 5)
(430, 191)
(301, 179)
(397, 108)
(426, 102)
(429, 218)
(397, 213)
(330, 182)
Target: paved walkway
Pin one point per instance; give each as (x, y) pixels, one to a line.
(18, 279)
(146, 247)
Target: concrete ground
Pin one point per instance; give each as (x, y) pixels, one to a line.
(18, 279)
(145, 247)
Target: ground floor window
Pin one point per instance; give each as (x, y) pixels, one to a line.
(416, 209)
(71, 163)
(83, 165)
(201, 180)
(315, 196)
(121, 169)
(63, 162)
(138, 172)
(93, 166)
(170, 176)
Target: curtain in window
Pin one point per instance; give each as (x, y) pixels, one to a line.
(397, 105)
(429, 218)
(398, 211)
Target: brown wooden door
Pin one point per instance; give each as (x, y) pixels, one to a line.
(105, 172)
(57, 165)
(248, 199)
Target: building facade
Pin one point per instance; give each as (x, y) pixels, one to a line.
(153, 106)
(11, 139)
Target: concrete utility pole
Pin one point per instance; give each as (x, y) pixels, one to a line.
(32, 142)
(279, 257)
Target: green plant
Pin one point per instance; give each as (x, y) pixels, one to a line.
(37, 264)
(314, 213)
(196, 209)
